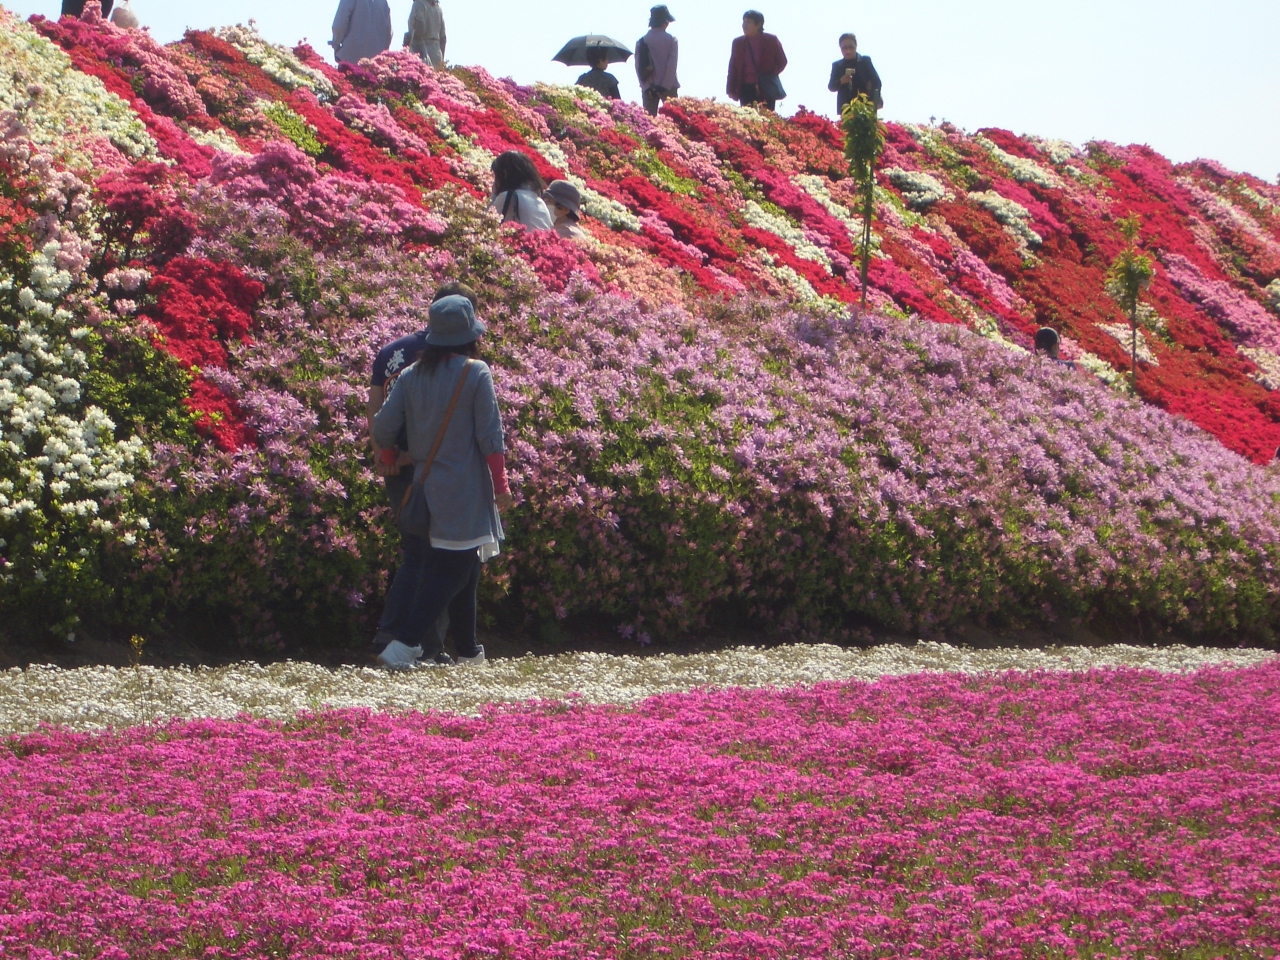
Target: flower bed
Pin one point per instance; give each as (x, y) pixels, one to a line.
(1110, 813)
(699, 431)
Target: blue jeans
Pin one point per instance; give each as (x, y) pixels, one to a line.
(400, 596)
(431, 583)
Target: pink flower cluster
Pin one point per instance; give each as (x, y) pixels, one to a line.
(1122, 813)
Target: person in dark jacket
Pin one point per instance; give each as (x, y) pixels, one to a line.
(597, 78)
(852, 75)
(755, 54)
(74, 8)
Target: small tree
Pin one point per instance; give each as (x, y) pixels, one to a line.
(1130, 274)
(863, 144)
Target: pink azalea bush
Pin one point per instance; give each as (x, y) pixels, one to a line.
(1107, 814)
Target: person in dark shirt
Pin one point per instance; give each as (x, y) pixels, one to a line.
(606, 84)
(74, 8)
(853, 74)
(1048, 342)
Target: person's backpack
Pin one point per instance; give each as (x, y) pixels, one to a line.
(644, 61)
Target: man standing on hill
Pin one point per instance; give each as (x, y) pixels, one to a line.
(361, 30)
(426, 32)
(656, 55)
(852, 75)
(754, 64)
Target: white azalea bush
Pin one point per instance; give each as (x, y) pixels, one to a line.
(64, 475)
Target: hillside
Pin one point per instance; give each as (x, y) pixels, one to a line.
(204, 244)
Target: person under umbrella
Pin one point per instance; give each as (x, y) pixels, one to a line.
(597, 52)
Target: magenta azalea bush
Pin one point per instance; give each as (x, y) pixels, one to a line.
(700, 432)
(1106, 814)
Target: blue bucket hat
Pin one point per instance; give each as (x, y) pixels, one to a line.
(452, 322)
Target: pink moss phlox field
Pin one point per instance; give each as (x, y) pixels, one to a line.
(1107, 814)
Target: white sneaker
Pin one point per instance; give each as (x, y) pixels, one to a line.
(397, 656)
(473, 661)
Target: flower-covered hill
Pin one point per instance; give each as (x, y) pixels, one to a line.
(202, 245)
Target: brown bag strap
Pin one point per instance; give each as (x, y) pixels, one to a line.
(435, 447)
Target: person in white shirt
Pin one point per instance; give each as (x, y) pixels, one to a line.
(656, 55)
(517, 191)
(426, 35)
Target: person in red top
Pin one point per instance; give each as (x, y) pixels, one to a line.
(755, 55)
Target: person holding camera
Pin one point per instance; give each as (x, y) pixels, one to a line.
(853, 74)
(656, 55)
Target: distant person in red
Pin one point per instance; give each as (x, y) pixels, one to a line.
(754, 64)
(74, 8)
(853, 74)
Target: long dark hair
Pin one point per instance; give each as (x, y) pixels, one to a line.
(514, 170)
(430, 357)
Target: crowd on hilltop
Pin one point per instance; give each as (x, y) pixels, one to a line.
(362, 29)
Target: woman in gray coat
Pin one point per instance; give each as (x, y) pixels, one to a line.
(465, 486)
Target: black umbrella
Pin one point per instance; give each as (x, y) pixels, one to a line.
(574, 53)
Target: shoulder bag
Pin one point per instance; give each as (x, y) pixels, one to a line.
(768, 85)
(415, 513)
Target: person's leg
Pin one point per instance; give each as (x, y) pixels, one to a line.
(771, 104)
(651, 102)
(462, 611)
(748, 94)
(399, 603)
(444, 574)
(400, 596)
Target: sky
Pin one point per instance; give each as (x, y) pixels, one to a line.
(1191, 79)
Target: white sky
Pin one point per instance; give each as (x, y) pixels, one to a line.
(1190, 78)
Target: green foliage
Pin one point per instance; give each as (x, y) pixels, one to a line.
(295, 128)
(1130, 274)
(141, 388)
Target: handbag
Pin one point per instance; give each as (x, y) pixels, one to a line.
(415, 513)
(768, 85)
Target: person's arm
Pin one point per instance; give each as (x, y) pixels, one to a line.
(443, 38)
(673, 67)
(733, 86)
(390, 416)
(873, 78)
(342, 21)
(387, 31)
(837, 76)
(488, 420)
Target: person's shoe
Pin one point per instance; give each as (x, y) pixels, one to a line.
(398, 656)
(440, 659)
(475, 659)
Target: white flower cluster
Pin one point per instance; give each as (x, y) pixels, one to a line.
(276, 62)
(62, 109)
(1273, 294)
(1104, 371)
(1013, 215)
(1058, 151)
(1268, 372)
(94, 698)
(919, 189)
(218, 139)
(760, 218)
(474, 160)
(58, 464)
(817, 188)
(1023, 170)
(786, 276)
(1122, 333)
(596, 205)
